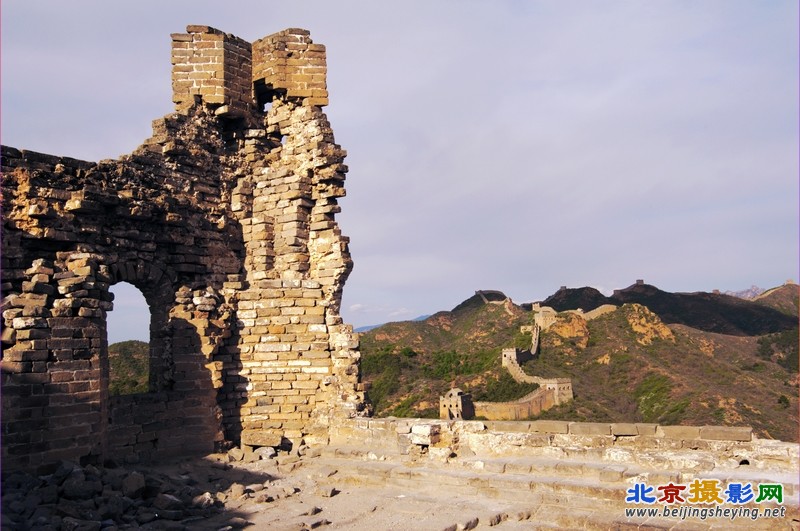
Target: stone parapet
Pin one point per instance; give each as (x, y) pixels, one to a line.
(528, 406)
(684, 447)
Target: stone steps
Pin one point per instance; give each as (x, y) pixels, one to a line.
(602, 472)
(552, 488)
(559, 493)
(615, 472)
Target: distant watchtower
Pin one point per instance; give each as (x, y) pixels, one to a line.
(456, 405)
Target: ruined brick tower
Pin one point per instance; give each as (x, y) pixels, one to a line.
(224, 219)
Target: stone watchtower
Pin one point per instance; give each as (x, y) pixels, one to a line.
(225, 220)
(456, 405)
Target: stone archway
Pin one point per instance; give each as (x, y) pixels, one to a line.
(159, 295)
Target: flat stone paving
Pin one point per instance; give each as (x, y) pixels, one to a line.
(397, 494)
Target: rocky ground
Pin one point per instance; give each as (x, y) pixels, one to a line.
(287, 491)
(327, 489)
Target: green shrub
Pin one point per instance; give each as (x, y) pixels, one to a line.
(383, 368)
(129, 368)
(383, 386)
(522, 340)
(408, 352)
(674, 412)
(652, 397)
(447, 364)
(429, 413)
(405, 408)
(502, 389)
(783, 343)
(783, 400)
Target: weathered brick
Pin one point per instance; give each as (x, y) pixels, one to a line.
(166, 229)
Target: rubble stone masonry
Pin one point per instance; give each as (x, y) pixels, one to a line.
(225, 220)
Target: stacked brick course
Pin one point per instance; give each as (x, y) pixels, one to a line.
(288, 61)
(213, 65)
(225, 220)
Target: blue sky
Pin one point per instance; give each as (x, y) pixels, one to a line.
(506, 145)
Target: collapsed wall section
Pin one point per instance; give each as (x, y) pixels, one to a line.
(225, 220)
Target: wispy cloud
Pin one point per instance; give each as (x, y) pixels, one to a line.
(517, 146)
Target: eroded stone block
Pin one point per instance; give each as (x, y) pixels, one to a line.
(624, 429)
(726, 433)
(648, 430)
(589, 428)
(678, 432)
(550, 426)
(261, 438)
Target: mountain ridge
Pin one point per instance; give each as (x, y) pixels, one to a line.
(630, 365)
(712, 312)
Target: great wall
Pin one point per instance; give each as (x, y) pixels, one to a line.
(225, 220)
(456, 404)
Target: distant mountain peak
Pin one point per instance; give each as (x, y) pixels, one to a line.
(785, 299)
(481, 297)
(749, 294)
(585, 298)
(712, 312)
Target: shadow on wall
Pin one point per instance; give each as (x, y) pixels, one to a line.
(55, 366)
(177, 416)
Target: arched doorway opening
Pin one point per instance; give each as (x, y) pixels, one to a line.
(128, 329)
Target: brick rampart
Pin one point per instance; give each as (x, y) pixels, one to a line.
(529, 405)
(553, 391)
(289, 62)
(225, 220)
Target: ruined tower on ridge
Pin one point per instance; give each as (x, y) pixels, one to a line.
(225, 220)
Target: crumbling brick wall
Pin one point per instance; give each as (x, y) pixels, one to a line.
(225, 220)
